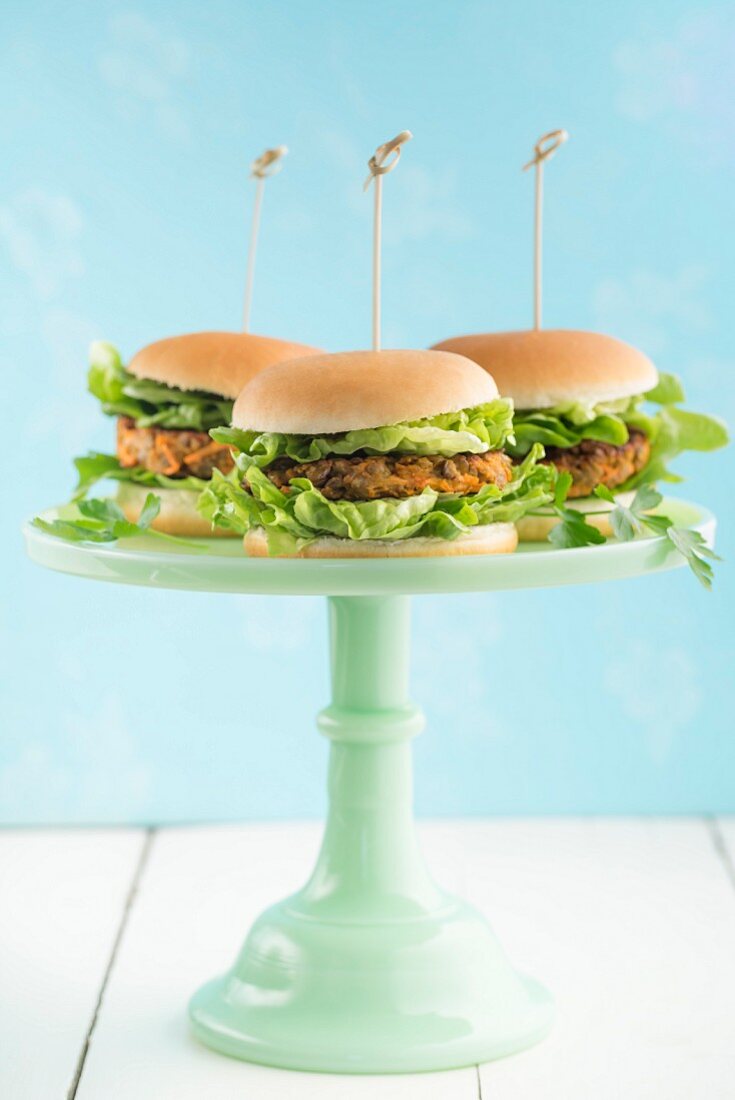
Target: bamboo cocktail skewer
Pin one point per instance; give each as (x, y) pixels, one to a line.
(380, 164)
(263, 167)
(545, 147)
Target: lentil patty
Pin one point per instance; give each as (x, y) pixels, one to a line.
(592, 463)
(371, 477)
(175, 452)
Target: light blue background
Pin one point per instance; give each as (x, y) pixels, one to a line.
(124, 206)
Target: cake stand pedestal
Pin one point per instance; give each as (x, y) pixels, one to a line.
(371, 967)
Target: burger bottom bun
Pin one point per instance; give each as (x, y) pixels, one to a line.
(536, 528)
(494, 538)
(178, 514)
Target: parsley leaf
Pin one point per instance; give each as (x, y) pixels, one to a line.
(694, 549)
(573, 528)
(104, 521)
(604, 493)
(629, 522)
(562, 486)
(73, 531)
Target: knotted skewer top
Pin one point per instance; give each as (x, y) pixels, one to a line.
(268, 163)
(379, 164)
(546, 146)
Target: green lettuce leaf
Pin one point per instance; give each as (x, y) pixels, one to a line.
(293, 519)
(670, 432)
(585, 412)
(476, 430)
(552, 430)
(670, 429)
(567, 425)
(95, 467)
(224, 503)
(147, 402)
(667, 391)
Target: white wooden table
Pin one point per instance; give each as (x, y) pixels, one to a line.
(105, 933)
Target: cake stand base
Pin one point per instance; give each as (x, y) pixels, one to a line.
(371, 968)
(425, 994)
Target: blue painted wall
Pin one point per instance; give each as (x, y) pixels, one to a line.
(124, 209)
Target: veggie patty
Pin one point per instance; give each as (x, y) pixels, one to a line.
(175, 452)
(372, 477)
(592, 463)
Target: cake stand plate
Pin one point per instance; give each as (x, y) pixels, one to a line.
(370, 967)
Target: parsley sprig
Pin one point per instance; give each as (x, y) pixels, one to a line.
(573, 528)
(104, 521)
(627, 523)
(637, 518)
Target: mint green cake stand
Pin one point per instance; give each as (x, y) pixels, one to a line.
(370, 967)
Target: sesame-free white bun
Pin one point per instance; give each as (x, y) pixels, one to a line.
(494, 538)
(178, 514)
(537, 528)
(218, 362)
(545, 367)
(359, 389)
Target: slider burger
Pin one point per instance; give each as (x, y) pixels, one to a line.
(598, 406)
(373, 454)
(166, 401)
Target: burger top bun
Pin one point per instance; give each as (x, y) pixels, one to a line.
(542, 368)
(360, 389)
(217, 362)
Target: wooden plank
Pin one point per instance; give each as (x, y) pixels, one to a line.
(63, 894)
(722, 830)
(632, 924)
(200, 891)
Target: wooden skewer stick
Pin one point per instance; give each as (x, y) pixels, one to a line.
(379, 165)
(544, 148)
(264, 166)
